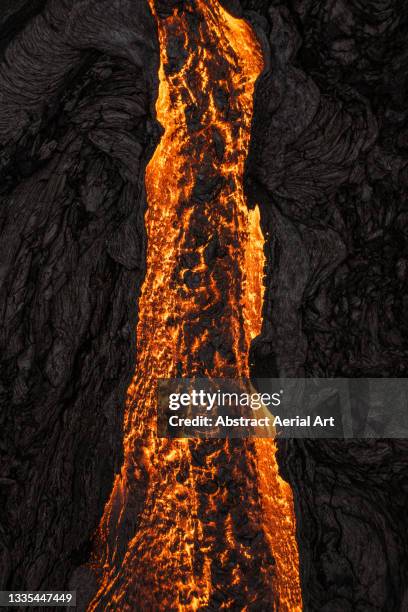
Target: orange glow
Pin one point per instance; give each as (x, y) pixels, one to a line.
(199, 309)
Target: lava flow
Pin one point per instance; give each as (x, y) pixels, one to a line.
(196, 525)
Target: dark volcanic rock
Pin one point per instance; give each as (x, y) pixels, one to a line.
(77, 128)
(328, 166)
(165, 8)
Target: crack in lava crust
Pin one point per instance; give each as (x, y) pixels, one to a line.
(198, 524)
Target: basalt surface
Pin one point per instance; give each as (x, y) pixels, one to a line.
(78, 86)
(328, 167)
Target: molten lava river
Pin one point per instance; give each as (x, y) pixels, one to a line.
(198, 524)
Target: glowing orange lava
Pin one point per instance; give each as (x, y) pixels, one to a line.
(192, 524)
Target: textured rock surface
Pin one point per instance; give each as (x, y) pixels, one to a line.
(328, 165)
(78, 85)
